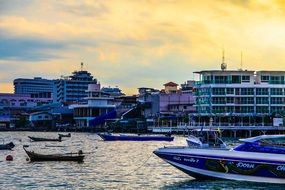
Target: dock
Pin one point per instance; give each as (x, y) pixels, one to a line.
(226, 131)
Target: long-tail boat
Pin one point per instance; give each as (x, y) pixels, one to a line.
(44, 139)
(55, 157)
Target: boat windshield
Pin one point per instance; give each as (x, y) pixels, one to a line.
(264, 144)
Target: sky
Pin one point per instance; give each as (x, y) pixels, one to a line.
(138, 43)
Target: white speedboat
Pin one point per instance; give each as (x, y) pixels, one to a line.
(205, 139)
(257, 159)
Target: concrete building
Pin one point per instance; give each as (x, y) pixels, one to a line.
(170, 101)
(97, 109)
(237, 97)
(112, 91)
(14, 108)
(73, 88)
(37, 87)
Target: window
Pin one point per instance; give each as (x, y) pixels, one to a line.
(218, 91)
(236, 79)
(245, 78)
(230, 91)
(247, 91)
(262, 91)
(264, 78)
(262, 100)
(276, 91)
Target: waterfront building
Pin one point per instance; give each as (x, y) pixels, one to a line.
(37, 87)
(239, 97)
(73, 88)
(112, 91)
(14, 108)
(40, 119)
(10, 100)
(96, 111)
(168, 106)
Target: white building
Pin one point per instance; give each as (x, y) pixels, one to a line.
(96, 111)
(237, 97)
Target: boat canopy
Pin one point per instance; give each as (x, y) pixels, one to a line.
(261, 137)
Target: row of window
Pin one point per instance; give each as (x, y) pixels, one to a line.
(243, 109)
(246, 91)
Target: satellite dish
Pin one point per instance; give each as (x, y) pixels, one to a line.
(223, 66)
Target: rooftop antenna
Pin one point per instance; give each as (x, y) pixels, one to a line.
(81, 66)
(241, 60)
(223, 65)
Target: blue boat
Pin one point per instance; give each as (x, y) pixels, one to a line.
(110, 137)
(257, 159)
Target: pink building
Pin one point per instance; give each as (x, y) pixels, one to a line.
(21, 100)
(175, 101)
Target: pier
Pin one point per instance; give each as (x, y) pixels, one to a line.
(226, 131)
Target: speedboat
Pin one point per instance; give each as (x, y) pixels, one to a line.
(111, 137)
(205, 139)
(256, 159)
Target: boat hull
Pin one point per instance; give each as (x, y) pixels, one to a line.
(231, 165)
(108, 137)
(53, 157)
(44, 139)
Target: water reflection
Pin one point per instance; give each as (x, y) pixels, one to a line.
(114, 165)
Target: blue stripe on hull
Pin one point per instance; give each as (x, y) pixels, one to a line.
(223, 166)
(107, 137)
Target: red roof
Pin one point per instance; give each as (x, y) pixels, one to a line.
(170, 84)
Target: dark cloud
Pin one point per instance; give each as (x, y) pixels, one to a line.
(13, 6)
(83, 9)
(28, 49)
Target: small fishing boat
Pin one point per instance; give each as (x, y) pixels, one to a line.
(44, 139)
(257, 159)
(78, 157)
(7, 146)
(64, 135)
(111, 137)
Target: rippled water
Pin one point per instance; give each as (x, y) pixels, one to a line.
(113, 165)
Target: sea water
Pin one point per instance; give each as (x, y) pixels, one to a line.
(110, 165)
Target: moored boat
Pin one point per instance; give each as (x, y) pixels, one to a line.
(258, 159)
(55, 157)
(64, 135)
(44, 139)
(111, 137)
(7, 146)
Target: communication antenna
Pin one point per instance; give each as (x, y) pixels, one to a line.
(81, 66)
(223, 65)
(241, 60)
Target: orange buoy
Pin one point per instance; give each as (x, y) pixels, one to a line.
(9, 158)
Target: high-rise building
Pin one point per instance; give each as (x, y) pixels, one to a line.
(73, 88)
(237, 97)
(36, 87)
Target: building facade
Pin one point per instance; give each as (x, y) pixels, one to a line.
(37, 87)
(168, 101)
(236, 97)
(73, 88)
(97, 109)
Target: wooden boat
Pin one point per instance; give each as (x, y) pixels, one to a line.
(64, 135)
(110, 137)
(44, 139)
(78, 157)
(7, 146)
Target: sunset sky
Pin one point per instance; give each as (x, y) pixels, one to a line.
(143, 43)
